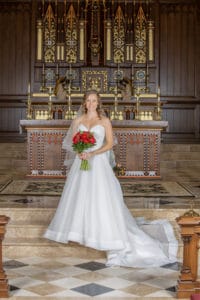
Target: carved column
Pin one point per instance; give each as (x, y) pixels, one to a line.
(3, 278)
(190, 233)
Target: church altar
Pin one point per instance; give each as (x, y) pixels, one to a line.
(137, 152)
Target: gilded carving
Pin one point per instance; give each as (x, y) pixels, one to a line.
(71, 36)
(119, 36)
(140, 37)
(49, 35)
(95, 80)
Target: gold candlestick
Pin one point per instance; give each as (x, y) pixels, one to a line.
(69, 115)
(158, 106)
(115, 113)
(137, 116)
(29, 107)
(50, 112)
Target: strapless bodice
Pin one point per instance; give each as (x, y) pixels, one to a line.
(99, 134)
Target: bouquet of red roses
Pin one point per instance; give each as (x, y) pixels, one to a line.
(82, 141)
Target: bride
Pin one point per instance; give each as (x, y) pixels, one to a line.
(91, 210)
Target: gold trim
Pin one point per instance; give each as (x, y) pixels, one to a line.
(148, 96)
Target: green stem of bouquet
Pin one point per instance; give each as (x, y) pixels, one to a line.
(85, 165)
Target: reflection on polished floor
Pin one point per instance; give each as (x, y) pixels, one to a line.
(39, 269)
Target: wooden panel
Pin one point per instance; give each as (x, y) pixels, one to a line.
(15, 48)
(180, 120)
(188, 282)
(4, 287)
(10, 117)
(177, 49)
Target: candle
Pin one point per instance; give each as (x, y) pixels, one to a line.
(158, 94)
(132, 71)
(29, 88)
(42, 68)
(70, 69)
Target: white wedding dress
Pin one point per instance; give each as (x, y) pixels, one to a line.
(92, 212)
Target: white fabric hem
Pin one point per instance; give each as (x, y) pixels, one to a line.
(75, 237)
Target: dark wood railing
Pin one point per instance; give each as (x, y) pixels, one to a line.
(188, 282)
(3, 278)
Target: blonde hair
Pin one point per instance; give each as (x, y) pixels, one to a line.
(99, 106)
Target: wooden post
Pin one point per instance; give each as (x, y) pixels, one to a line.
(190, 233)
(3, 278)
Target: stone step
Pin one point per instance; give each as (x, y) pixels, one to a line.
(42, 216)
(28, 215)
(24, 232)
(28, 247)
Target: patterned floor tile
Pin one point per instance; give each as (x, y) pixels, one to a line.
(137, 276)
(28, 270)
(157, 272)
(45, 289)
(50, 265)
(91, 276)
(115, 271)
(162, 293)
(23, 293)
(116, 295)
(140, 289)
(68, 294)
(68, 283)
(115, 283)
(71, 271)
(171, 289)
(92, 266)
(25, 281)
(13, 264)
(39, 278)
(161, 282)
(92, 289)
(48, 276)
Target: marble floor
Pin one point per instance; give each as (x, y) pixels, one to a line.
(78, 278)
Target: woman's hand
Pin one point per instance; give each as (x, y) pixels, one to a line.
(85, 155)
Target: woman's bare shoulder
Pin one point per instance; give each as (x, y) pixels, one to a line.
(106, 122)
(78, 119)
